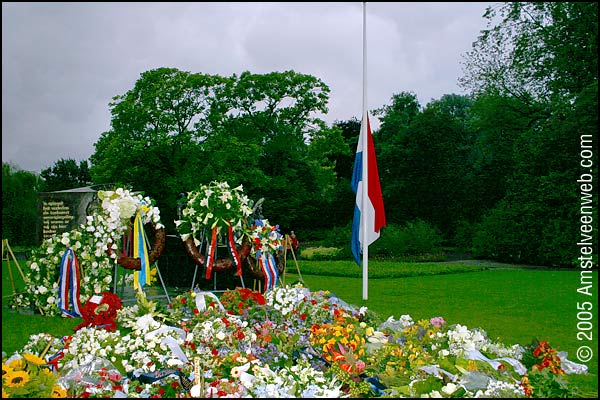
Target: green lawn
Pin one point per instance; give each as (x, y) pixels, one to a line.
(511, 305)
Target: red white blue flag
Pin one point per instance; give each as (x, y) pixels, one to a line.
(368, 211)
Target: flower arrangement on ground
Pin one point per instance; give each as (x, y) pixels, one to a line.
(27, 375)
(291, 342)
(94, 245)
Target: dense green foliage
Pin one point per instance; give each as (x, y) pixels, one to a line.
(496, 173)
(19, 205)
(66, 174)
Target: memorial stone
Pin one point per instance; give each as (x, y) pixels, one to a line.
(64, 210)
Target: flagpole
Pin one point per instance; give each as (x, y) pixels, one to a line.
(365, 180)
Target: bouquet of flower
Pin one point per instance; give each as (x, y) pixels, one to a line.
(121, 205)
(241, 300)
(28, 376)
(185, 306)
(100, 312)
(545, 377)
(265, 237)
(215, 205)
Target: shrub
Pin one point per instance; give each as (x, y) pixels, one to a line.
(415, 238)
(321, 253)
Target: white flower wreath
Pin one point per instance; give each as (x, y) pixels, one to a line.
(91, 242)
(215, 205)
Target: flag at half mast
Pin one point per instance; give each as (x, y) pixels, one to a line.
(369, 213)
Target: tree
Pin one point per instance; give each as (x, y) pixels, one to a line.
(175, 130)
(19, 205)
(544, 51)
(66, 174)
(537, 68)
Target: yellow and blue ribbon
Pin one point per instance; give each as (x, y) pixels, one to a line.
(140, 250)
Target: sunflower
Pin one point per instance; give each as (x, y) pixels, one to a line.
(58, 392)
(47, 373)
(17, 364)
(33, 359)
(5, 370)
(16, 379)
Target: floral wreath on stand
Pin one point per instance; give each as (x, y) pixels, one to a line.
(86, 256)
(266, 242)
(220, 210)
(126, 212)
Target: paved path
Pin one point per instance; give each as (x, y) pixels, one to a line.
(498, 265)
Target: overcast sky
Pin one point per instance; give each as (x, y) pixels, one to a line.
(62, 63)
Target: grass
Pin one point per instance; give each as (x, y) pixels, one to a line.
(380, 269)
(511, 305)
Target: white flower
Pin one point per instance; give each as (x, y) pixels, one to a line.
(449, 388)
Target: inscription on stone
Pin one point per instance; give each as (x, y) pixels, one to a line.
(56, 217)
(63, 211)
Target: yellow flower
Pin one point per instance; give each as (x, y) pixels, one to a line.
(4, 394)
(16, 379)
(5, 369)
(58, 392)
(47, 373)
(33, 359)
(17, 364)
(153, 273)
(471, 365)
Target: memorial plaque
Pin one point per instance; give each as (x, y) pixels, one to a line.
(64, 210)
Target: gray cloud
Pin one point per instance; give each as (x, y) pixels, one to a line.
(62, 63)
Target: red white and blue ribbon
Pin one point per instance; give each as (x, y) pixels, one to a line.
(210, 258)
(53, 360)
(269, 268)
(234, 252)
(69, 284)
(140, 250)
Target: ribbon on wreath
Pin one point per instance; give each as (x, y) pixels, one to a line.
(69, 284)
(269, 268)
(211, 253)
(140, 250)
(53, 360)
(234, 252)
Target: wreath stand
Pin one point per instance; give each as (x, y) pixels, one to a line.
(130, 263)
(6, 250)
(203, 249)
(287, 245)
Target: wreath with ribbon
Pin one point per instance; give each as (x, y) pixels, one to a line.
(219, 211)
(126, 215)
(267, 243)
(100, 312)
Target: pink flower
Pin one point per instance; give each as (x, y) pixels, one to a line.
(438, 322)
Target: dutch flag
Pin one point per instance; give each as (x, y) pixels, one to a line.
(368, 211)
